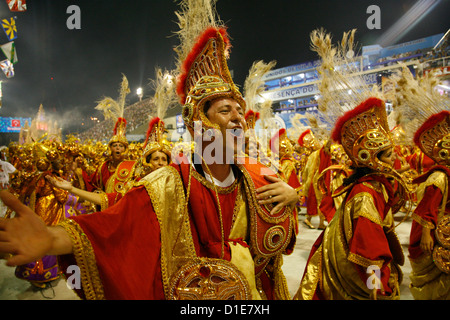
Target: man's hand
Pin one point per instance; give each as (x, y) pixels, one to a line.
(277, 191)
(59, 183)
(426, 242)
(25, 237)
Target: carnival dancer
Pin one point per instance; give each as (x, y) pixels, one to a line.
(358, 255)
(342, 254)
(156, 154)
(318, 161)
(429, 248)
(203, 228)
(427, 117)
(330, 179)
(288, 167)
(51, 205)
(112, 174)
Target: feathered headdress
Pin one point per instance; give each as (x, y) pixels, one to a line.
(156, 140)
(164, 87)
(340, 86)
(250, 118)
(349, 104)
(424, 113)
(301, 139)
(163, 99)
(253, 89)
(114, 110)
(281, 145)
(254, 83)
(202, 60)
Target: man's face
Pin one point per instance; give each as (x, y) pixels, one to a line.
(117, 150)
(158, 160)
(388, 156)
(229, 116)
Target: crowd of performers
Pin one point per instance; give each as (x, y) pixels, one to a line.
(62, 180)
(59, 180)
(142, 223)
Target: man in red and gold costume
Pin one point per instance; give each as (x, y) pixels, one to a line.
(288, 166)
(156, 154)
(429, 248)
(318, 160)
(200, 228)
(112, 174)
(360, 239)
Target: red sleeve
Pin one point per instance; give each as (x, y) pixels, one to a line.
(126, 243)
(293, 180)
(424, 214)
(369, 241)
(428, 207)
(369, 244)
(87, 181)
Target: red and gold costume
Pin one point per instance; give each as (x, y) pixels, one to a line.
(361, 235)
(181, 236)
(131, 171)
(107, 178)
(288, 167)
(430, 277)
(169, 237)
(318, 161)
(329, 180)
(419, 161)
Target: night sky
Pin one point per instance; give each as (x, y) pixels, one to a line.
(68, 71)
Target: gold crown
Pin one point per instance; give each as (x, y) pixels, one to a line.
(364, 132)
(119, 133)
(433, 137)
(250, 118)
(281, 141)
(155, 140)
(205, 76)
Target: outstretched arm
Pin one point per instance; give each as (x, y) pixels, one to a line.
(58, 182)
(26, 238)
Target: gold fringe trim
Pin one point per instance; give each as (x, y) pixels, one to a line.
(85, 258)
(424, 223)
(104, 201)
(359, 260)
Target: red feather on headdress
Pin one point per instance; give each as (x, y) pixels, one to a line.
(154, 122)
(251, 113)
(119, 120)
(363, 107)
(208, 34)
(429, 123)
(277, 137)
(300, 139)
